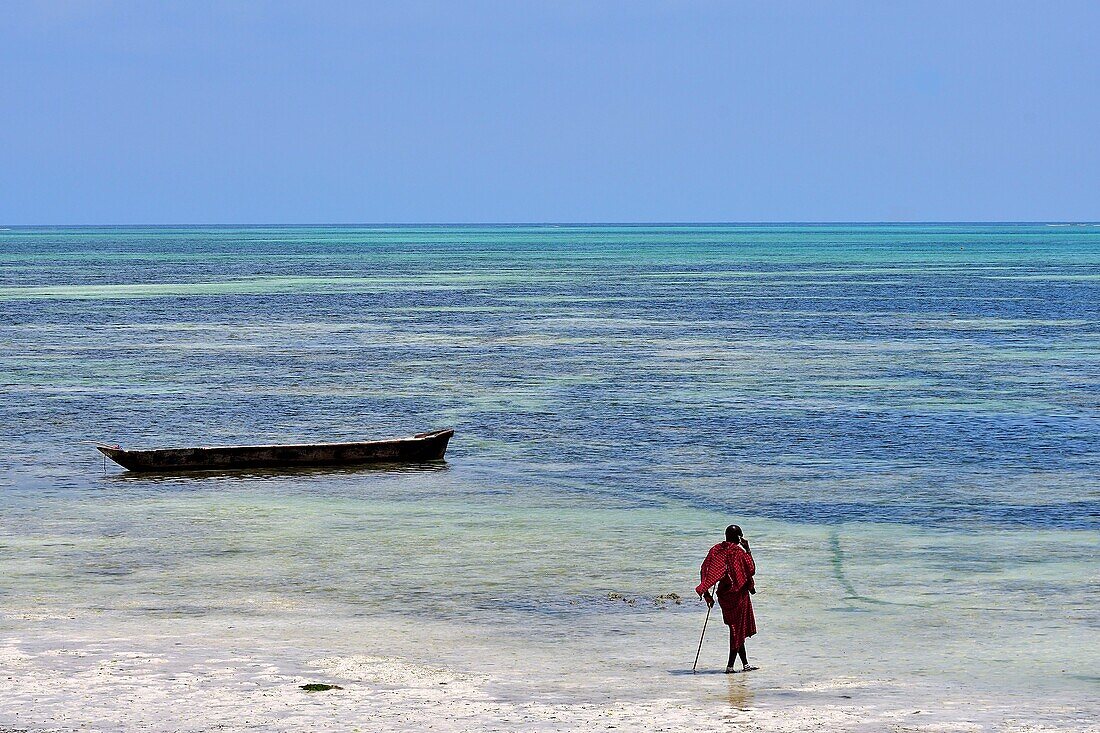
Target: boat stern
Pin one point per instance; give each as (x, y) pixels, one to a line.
(436, 442)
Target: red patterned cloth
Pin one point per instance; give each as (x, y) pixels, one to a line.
(729, 565)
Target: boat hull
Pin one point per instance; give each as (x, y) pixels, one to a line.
(420, 448)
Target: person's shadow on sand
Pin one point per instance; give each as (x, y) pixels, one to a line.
(740, 695)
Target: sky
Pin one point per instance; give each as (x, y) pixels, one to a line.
(553, 111)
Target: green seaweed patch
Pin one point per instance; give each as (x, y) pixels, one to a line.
(319, 687)
(620, 597)
(658, 601)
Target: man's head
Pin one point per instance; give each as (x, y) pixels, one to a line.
(733, 533)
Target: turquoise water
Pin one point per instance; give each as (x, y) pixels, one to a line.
(903, 418)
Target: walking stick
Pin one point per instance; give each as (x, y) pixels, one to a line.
(700, 649)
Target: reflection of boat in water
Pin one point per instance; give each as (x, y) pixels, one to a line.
(419, 448)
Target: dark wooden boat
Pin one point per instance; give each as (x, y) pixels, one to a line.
(420, 448)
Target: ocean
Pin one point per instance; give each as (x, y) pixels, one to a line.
(905, 420)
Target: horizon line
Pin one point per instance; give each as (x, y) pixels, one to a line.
(868, 222)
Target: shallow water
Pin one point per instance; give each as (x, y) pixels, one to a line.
(903, 418)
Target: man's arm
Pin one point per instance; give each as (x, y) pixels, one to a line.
(752, 583)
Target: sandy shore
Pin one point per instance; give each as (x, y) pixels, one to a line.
(175, 684)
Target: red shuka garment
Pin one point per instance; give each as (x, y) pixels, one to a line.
(729, 565)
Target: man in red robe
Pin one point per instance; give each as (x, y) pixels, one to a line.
(730, 565)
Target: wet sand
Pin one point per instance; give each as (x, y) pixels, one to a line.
(185, 681)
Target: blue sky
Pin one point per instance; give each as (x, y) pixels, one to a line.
(358, 112)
